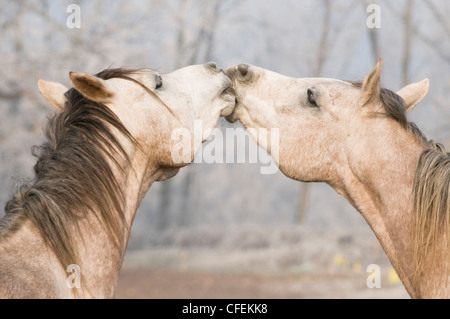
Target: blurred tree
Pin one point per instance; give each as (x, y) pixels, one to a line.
(373, 36)
(407, 36)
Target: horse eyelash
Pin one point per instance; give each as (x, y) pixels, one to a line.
(159, 83)
(311, 100)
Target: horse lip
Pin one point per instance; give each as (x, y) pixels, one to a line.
(229, 91)
(231, 118)
(228, 95)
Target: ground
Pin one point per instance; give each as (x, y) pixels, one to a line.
(166, 278)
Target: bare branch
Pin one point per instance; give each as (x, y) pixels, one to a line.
(432, 44)
(322, 51)
(10, 96)
(407, 36)
(439, 17)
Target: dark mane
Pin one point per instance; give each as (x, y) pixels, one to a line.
(73, 175)
(395, 108)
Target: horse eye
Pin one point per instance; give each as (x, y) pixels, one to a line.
(311, 98)
(159, 82)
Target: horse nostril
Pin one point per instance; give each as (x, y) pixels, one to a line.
(243, 69)
(212, 65)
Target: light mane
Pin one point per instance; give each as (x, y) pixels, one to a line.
(73, 177)
(431, 193)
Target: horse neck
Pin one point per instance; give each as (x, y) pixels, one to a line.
(100, 257)
(380, 187)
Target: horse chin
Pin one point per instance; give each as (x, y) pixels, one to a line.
(231, 118)
(167, 173)
(227, 111)
(234, 114)
(228, 96)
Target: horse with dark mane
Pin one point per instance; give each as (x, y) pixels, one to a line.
(111, 139)
(355, 136)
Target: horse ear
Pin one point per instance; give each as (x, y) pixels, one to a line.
(414, 93)
(91, 87)
(371, 87)
(53, 93)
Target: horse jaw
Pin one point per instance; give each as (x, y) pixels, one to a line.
(165, 174)
(205, 89)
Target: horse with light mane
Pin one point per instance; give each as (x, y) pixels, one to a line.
(355, 136)
(110, 140)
